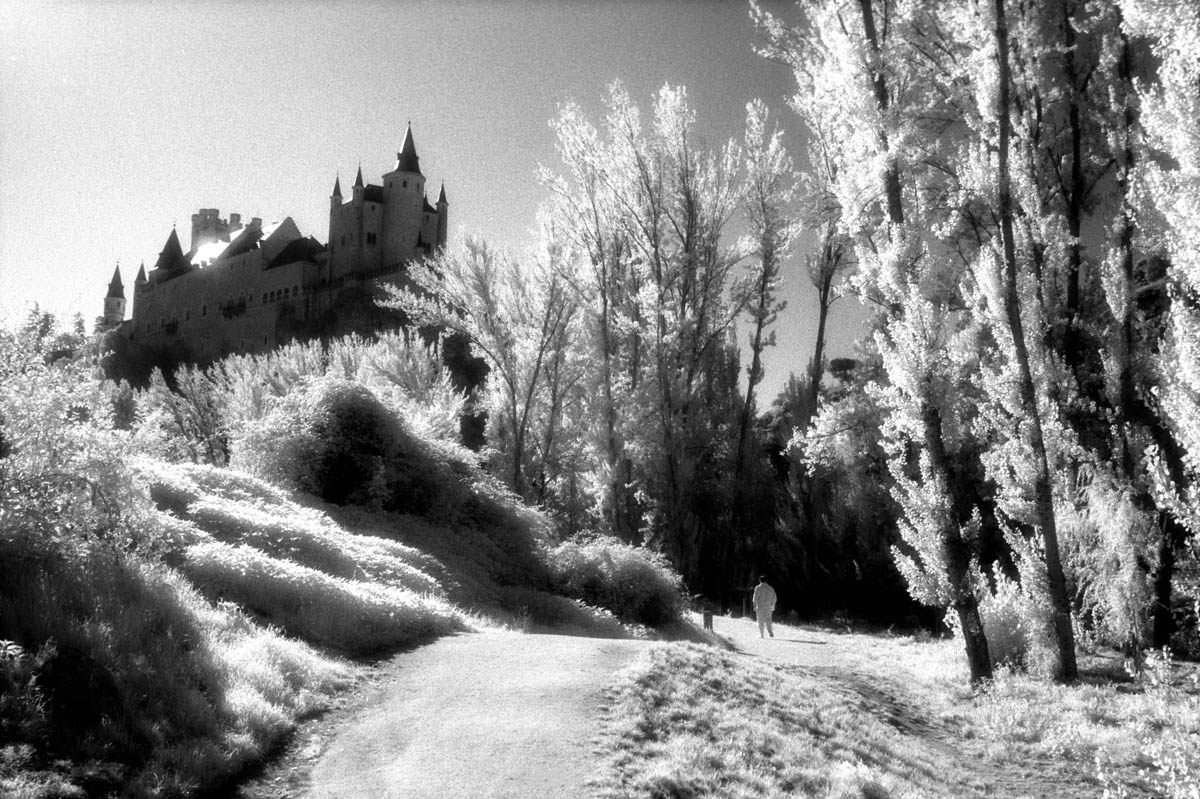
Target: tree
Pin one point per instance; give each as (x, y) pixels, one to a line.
(1043, 491)
(877, 94)
(517, 315)
(1162, 195)
(660, 290)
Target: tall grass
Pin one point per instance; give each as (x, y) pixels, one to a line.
(354, 617)
(140, 680)
(235, 508)
(692, 721)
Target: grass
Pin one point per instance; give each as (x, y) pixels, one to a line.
(890, 716)
(143, 684)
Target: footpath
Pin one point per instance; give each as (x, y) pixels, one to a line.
(488, 716)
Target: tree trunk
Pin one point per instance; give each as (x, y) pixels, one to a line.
(816, 369)
(891, 177)
(1066, 668)
(956, 553)
(1072, 344)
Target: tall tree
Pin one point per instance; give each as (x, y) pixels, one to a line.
(770, 189)
(515, 313)
(651, 207)
(1042, 488)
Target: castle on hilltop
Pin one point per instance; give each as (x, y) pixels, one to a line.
(248, 286)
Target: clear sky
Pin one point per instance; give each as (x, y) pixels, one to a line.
(119, 119)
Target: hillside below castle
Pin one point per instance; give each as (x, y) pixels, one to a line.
(248, 287)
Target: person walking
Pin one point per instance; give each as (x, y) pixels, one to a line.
(764, 606)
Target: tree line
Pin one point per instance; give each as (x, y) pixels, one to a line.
(1011, 190)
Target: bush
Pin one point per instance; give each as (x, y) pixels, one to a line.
(336, 440)
(635, 584)
(1002, 613)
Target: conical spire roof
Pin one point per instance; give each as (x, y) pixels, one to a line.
(337, 186)
(442, 195)
(406, 159)
(115, 287)
(171, 256)
(358, 181)
(141, 275)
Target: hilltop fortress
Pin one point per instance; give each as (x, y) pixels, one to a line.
(248, 287)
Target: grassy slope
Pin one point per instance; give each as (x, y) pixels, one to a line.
(889, 717)
(248, 619)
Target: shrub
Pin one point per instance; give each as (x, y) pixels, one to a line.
(336, 440)
(1002, 612)
(635, 584)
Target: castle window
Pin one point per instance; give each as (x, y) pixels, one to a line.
(287, 293)
(343, 241)
(370, 238)
(404, 185)
(264, 298)
(295, 291)
(204, 310)
(187, 315)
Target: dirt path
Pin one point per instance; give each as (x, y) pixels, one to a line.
(484, 715)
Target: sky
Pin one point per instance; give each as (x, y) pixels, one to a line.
(121, 119)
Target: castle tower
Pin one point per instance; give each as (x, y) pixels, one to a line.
(209, 227)
(114, 302)
(171, 258)
(335, 226)
(403, 204)
(443, 221)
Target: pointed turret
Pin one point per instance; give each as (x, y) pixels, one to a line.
(115, 287)
(406, 159)
(141, 275)
(337, 185)
(443, 217)
(114, 302)
(171, 256)
(358, 181)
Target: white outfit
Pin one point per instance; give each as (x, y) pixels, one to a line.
(764, 606)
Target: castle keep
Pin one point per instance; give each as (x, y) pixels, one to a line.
(249, 286)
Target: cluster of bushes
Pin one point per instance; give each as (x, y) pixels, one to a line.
(637, 585)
